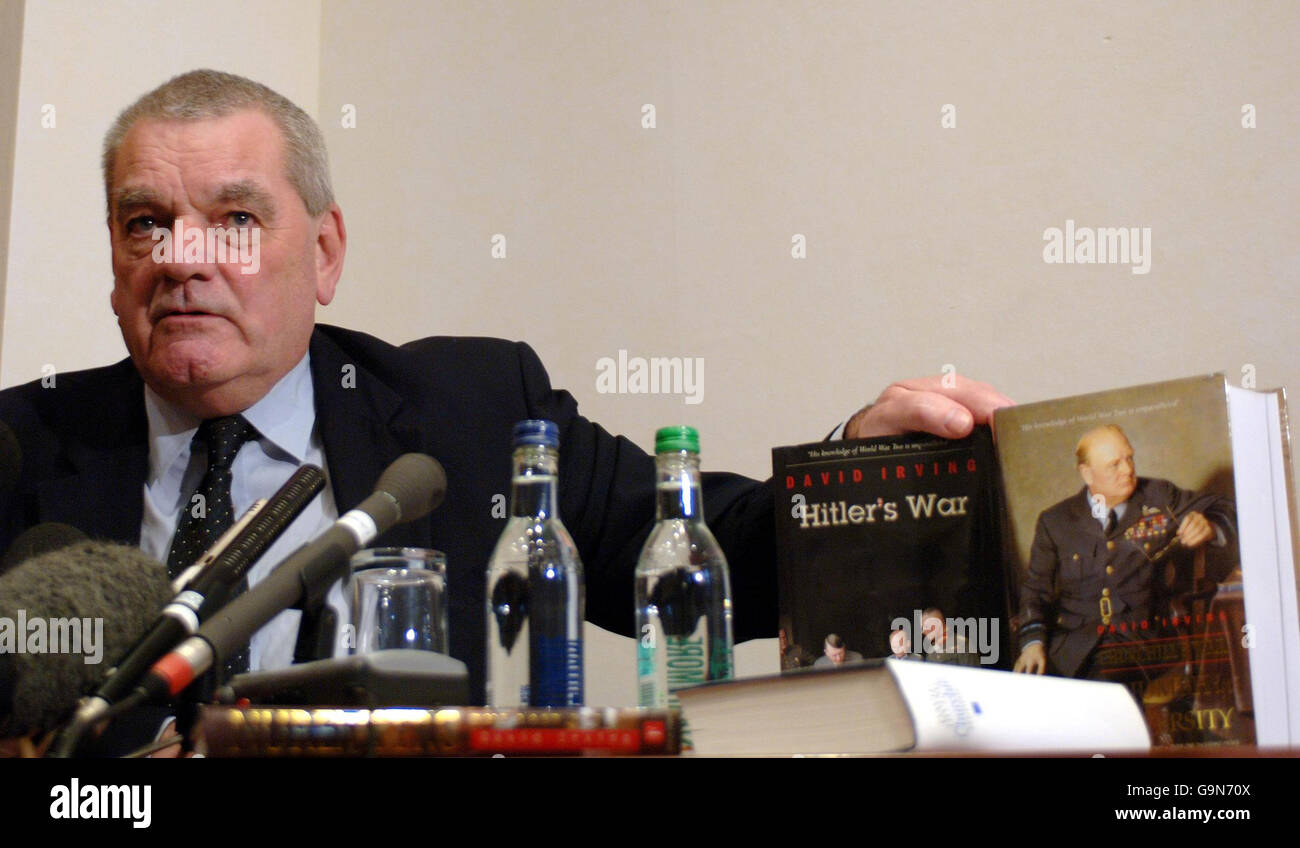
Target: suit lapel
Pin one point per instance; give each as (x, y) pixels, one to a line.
(364, 426)
(108, 450)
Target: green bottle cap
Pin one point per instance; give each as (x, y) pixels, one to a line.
(680, 438)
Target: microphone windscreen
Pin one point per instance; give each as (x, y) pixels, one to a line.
(65, 618)
(11, 462)
(417, 482)
(37, 540)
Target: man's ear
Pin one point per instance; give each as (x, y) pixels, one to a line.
(1086, 473)
(331, 246)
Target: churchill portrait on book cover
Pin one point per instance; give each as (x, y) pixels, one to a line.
(1105, 562)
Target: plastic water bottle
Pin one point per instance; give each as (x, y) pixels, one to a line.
(535, 592)
(683, 592)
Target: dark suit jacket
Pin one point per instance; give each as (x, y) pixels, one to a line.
(1073, 564)
(85, 458)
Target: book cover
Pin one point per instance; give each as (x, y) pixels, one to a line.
(890, 546)
(1123, 562)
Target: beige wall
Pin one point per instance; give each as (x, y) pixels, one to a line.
(88, 61)
(924, 244)
(11, 48)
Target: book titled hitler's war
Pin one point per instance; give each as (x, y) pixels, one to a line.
(873, 533)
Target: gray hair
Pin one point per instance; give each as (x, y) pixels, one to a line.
(201, 94)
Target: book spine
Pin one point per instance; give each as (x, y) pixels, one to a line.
(465, 731)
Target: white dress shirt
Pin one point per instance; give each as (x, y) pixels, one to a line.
(287, 438)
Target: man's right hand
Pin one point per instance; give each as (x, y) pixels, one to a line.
(1032, 660)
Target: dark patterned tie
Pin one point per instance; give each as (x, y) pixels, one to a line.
(1111, 520)
(208, 513)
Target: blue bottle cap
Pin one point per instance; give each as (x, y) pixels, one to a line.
(536, 431)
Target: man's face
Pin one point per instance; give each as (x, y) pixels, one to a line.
(836, 655)
(204, 334)
(1109, 470)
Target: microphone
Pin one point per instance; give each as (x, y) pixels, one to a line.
(64, 613)
(182, 581)
(40, 539)
(408, 489)
(205, 584)
(215, 575)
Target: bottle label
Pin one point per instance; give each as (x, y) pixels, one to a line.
(686, 662)
(649, 692)
(556, 679)
(668, 663)
(720, 660)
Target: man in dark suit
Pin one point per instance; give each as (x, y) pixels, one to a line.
(1092, 572)
(212, 338)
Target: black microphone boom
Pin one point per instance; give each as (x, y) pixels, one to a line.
(230, 565)
(408, 489)
(222, 568)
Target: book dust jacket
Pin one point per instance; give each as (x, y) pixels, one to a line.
(1123, 556)
(882, 535)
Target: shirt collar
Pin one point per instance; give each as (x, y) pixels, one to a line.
(284, 419)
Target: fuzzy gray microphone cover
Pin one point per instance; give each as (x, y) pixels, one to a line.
(65, 618)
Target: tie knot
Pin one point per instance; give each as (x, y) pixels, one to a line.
(224, 437)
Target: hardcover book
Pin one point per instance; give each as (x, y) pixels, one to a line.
(884, 706)
(877, 539)
(1124, 555)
